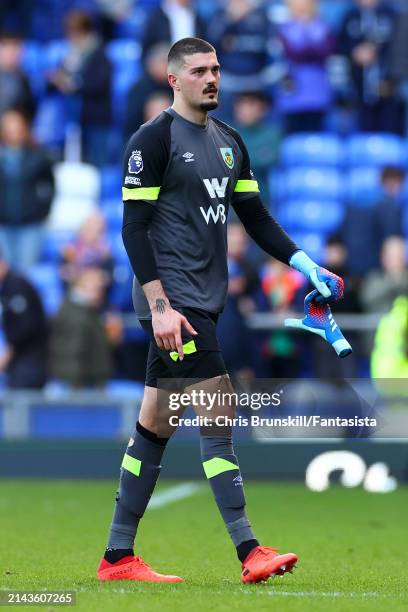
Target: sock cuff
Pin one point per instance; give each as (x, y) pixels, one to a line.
(150, 435)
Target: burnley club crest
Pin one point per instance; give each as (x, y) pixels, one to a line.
(227, 156)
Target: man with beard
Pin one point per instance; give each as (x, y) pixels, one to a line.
(181, 172)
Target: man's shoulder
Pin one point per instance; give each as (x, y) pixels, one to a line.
(156, 129)
(228, 129)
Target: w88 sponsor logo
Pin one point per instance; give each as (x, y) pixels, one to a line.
(215, 215)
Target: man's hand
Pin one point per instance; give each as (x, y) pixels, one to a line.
(329, 285)
(167, 324)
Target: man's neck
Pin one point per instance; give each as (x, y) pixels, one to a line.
(194, 115)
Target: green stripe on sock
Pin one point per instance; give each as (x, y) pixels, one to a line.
(131, 464)
(217, 465)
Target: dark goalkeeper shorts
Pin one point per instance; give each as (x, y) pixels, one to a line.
(202, 355)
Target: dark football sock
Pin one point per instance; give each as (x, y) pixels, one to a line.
(113, 555)
(139, 473)
(221, 468)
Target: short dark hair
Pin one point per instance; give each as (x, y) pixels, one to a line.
(256, 94)
(78, 21)
(10, 35)
(188, 46)
(392, 173)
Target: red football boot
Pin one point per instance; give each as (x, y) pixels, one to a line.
(264, 561)
(132, 568)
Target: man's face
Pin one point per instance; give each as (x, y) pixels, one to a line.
(198, 80)
(367, 3)
(13, 129)
(10, 54)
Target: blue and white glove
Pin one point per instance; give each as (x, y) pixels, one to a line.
(319, 320)
(329, 285)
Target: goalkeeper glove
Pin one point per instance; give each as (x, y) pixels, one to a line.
(329, 285)
(319, 320)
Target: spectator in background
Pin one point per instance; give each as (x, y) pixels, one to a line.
(399, 60)
(304, 94)
(172, 20)
(284, 290)
(15, 90)
(90, 249)
(326, 363)
(389, 358)
(240, 32)
(155, 104)
(111, 14)
(365, 39)
(380, 221)
(80, 348)
(24, 359)
(84, 76)
(262, 138)
(381, 287)
(154, 80)
(388, 211)
(243, 281)
(26, 191)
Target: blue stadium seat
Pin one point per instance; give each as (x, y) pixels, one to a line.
(276, 181)
(376, 150)
(311, 215)
(111, 182)
(125, 57)
(122, 82)
(312, 149)
(118, 250)
(313, 183)
(363, 188)
(46, 280)
(113, 213)
(125, 388)
(32, 64)
(50, 121)
(53, 53)
(312, 243)
(53, 243)
(121, 291)
(124, 53)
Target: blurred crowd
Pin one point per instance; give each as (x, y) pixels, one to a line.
(319, 93)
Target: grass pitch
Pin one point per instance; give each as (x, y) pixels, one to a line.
(352, 548)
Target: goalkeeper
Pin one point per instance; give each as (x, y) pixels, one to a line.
(182, 170)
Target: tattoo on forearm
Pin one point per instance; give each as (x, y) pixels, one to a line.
(160, 305)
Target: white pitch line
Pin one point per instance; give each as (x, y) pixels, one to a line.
(317, 594)
(173, 494)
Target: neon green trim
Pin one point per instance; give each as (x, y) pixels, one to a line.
(131, 464)
(188, 348)
(140, 193)
(217, 465)
(246, 186)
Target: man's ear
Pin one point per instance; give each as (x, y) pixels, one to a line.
(173, 81)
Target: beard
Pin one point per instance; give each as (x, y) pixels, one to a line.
(209, 105)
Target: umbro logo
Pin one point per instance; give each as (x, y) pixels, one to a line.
(188, 157)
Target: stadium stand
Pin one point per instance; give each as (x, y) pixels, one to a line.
(320, 178)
